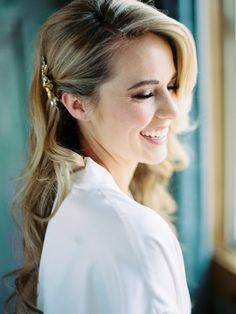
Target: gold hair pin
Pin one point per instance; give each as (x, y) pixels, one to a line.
(48, 84)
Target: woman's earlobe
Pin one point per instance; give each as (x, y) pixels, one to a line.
(75, 106)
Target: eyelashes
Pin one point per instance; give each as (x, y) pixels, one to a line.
(147, 95)
(143, 95)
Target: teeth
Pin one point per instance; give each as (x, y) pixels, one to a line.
(156, 134)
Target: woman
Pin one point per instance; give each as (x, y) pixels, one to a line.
(111, 88)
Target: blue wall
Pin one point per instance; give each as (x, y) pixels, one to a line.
(19, 21)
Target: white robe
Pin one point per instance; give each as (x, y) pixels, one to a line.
(104, 253)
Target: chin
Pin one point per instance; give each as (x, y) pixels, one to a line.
(155, 158)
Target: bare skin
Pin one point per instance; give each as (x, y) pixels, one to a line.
(111, 132)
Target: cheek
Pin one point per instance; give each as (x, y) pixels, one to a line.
(123, 115)
(141, 114)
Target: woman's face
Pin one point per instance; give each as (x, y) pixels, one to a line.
(140, 98)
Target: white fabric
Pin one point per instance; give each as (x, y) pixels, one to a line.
(104, 253)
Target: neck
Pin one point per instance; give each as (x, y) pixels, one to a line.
(121, 170)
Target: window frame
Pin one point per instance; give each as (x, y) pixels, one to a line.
(229, 122)
(214, 93)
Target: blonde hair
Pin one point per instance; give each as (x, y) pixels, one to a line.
(78, 43)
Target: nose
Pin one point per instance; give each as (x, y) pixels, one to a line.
(167, 107)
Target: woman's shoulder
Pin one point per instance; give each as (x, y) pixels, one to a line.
(111, 218)
(141, 217)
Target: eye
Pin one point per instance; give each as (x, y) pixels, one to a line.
(173, 88)
(143, 95)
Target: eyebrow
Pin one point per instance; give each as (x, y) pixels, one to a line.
(149, 82)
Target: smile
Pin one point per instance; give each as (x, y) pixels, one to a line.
(160, 134)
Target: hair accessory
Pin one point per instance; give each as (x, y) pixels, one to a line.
(48, 84)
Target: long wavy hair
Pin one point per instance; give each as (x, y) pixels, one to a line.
(78, 43)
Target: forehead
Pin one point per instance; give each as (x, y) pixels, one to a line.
(146, 57)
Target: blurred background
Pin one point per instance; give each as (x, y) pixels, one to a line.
(205, 192)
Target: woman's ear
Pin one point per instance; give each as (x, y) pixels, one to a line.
(75, 106)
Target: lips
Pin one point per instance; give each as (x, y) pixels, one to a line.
(156, 133)
(155, 140)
